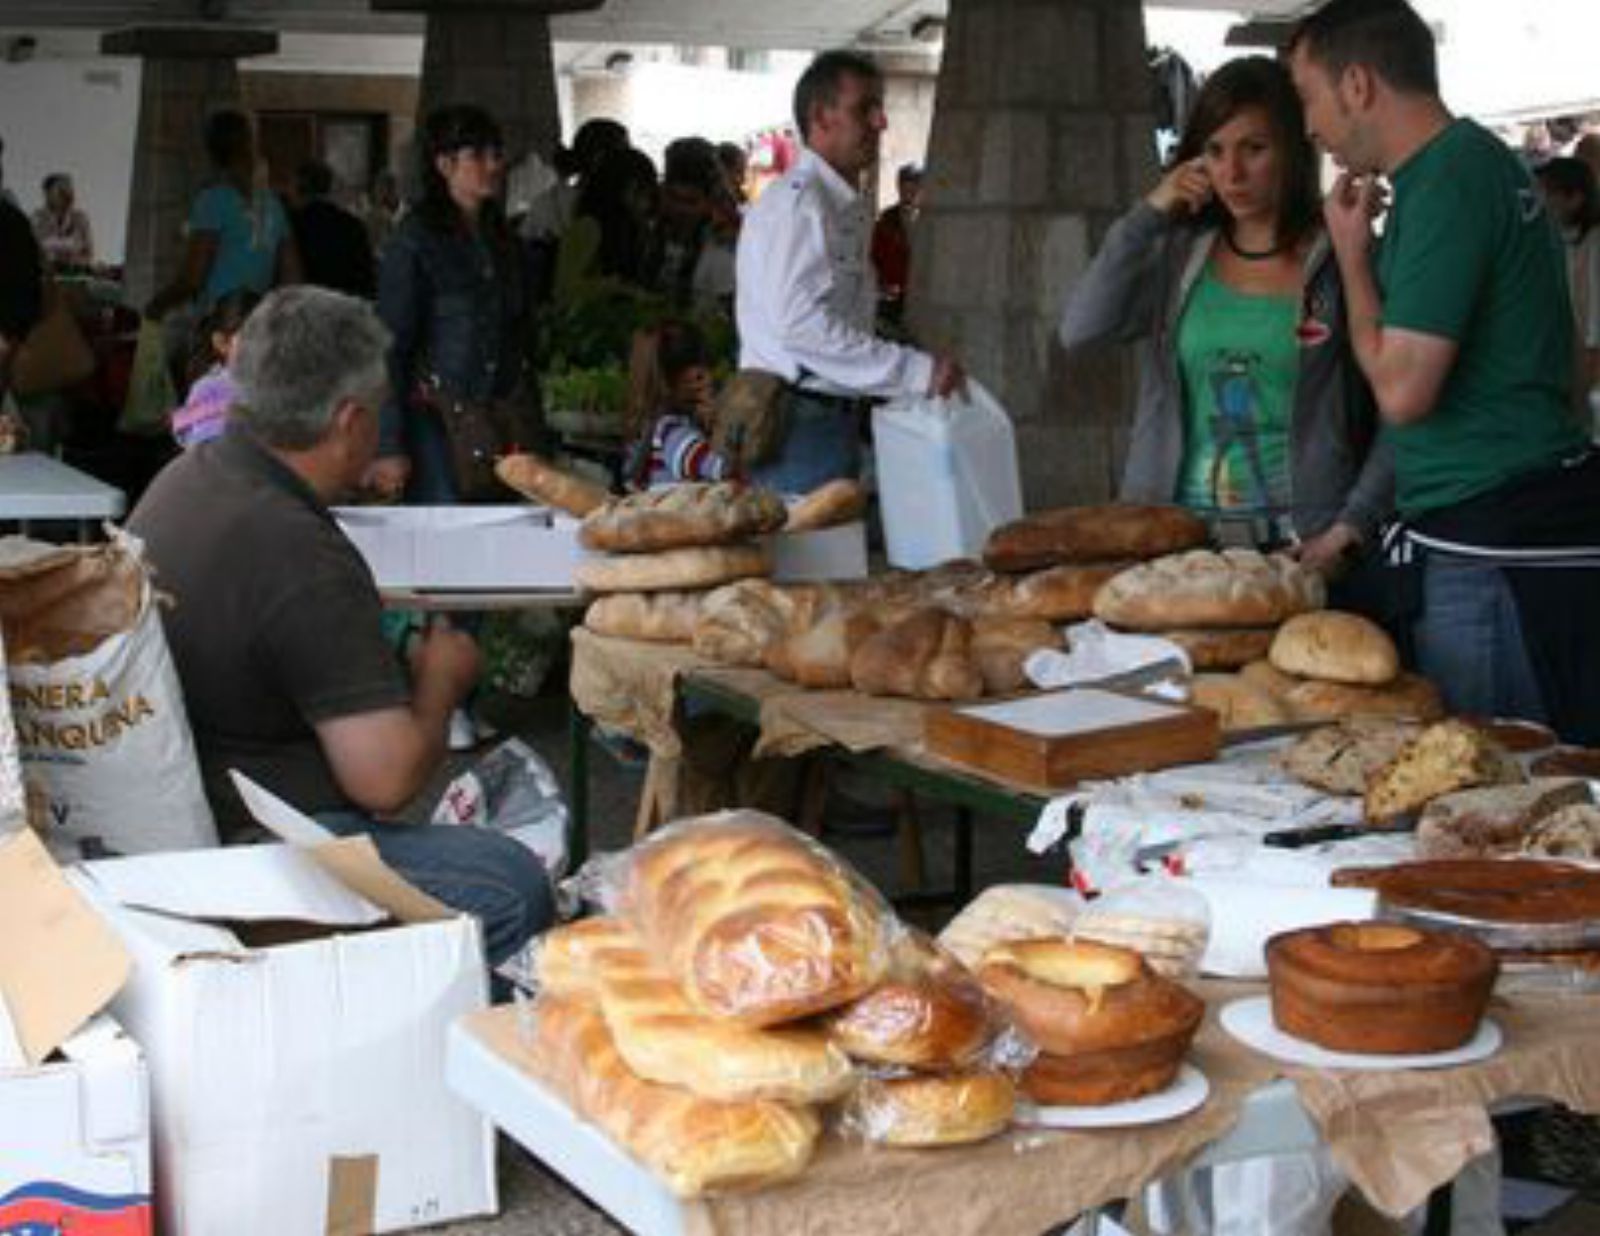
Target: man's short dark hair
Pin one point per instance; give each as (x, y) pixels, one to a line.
(819, 84)
(1386, 36)
(314, 179)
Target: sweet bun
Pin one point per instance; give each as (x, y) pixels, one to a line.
(949, 1110)
(1336, 647)
(929, 1013)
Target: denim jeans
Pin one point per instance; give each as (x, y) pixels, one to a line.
(821, 443)
(1469, 640)
(474, 870)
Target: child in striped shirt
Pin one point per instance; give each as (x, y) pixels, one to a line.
(669, 407)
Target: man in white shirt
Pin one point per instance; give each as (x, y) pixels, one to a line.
(806, 293)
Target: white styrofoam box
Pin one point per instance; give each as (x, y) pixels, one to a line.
(75, 1138)
(465, 547)
(947, 476)
(279, 1057)
(820, 555)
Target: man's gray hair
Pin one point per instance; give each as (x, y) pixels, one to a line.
(304, 351)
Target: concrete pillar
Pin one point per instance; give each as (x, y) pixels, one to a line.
(1042, 134)
(188, 74)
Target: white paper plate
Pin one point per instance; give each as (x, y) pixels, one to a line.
(1187, 1092)
(1250, 1021)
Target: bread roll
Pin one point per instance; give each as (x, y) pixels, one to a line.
(1409, 695)
(1001, 645)
(1448, 756)
(1223, 649)
(759, 925)
(1336, 647)
(928, 1013)
(1092, 534)
(926, 656)
(1239, 703)
(673, 569)
(952, 1110)
(695, 1145)
(664, 1039)
(680, 516)
(1234, 588)
(837, 502)
(538, 479)
(659, 617)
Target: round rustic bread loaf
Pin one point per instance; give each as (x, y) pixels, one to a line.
(1239, 703)
(1055, 594)
(1092, 534)
(661, 617)
(1409, 695)
(1336, 647)
(673, 569)
(1224, 649)
(1234, 588)
(679, 516)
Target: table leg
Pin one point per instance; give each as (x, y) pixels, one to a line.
(578, 730)
(963, 860)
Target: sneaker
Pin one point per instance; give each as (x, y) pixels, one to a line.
(462, 733)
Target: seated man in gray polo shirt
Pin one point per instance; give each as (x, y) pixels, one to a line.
(276, 629)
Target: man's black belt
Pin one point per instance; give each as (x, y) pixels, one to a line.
(845, 403)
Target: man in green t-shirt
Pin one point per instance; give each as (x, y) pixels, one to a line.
(1459, 321)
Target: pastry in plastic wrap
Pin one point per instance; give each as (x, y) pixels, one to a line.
(952, 1109)
(928, 1013)
(1010, 912)
(757, 922)
(1107, 1028)
(563, 958)
(695, 1145)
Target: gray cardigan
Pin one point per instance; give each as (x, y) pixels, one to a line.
(1134, 292)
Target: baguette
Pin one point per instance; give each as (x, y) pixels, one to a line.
(1092, 534)
(543, 482)
(837, 502)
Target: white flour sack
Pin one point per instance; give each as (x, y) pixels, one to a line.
(95, 700)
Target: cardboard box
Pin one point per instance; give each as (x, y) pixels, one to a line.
(296, 1037)
(466, 548)
(820, 555)
(74, 1096)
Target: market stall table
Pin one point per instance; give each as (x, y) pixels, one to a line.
(1399, 1135)
(35, 487)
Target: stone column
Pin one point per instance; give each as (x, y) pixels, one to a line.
(495, 53)
(188, 74)
(1042, 134)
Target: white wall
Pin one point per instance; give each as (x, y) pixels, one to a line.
(79, 116)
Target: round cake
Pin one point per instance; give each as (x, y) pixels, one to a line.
(1379, 988)
(1107, 1028)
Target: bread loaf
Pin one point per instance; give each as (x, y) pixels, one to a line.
(927, 1013)
(1493, 819)
(1056, 594)
(1001, 645)
(1409, 695)
(1234, 588)
(543, 482)
(1223, 649)
(695, 1145)
(1092, 534)
(822, 638)
(1239, 703)
(837, 502)
(679, 516)
(757, 923)
(673, 569)
(925, 656)
(1336, 647)
(1447, 756)
(563, 958)
(659, 617)
(951, 1110)
(1571, 832)
(1342, 758)
(738, 622)
(1270, 679)
(663, 1038)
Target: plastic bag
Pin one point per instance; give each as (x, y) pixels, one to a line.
(947, 476)
(759, 923)
(1010, 912)
(513, 791)
(1166, 923)
(151, 396)
(952, 1109)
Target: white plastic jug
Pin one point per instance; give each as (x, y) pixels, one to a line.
(947, 476)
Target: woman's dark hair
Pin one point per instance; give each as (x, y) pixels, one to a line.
(446, 131)
(659, 355)
(1258, 81)
(625, 240)
(1576, 178)
(226, 317)
(227, 135)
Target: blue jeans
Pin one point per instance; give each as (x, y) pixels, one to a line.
(1469, 641)
(821, 443)
(432, 481)
(474, 870)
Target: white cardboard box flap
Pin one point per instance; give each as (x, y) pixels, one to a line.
(247, 884)
(60, 962)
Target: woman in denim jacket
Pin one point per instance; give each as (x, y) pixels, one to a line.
(450, 292)
(1251, 409)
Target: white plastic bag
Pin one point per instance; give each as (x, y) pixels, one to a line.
(512, 791)
(947, 476)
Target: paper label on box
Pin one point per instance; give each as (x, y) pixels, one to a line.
(1072, 712)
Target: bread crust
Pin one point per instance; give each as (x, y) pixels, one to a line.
(1224, 649)
(1092, 534)
(1409, 696)
(837, 502)
(1055, 594)
(673, 569)
(659, 617)
(925, 656)
(1239, 703)
(1336, 647)
(1233, 588)
(950, 1110)
(680, 516)
(537, 478)
(928, 1013)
